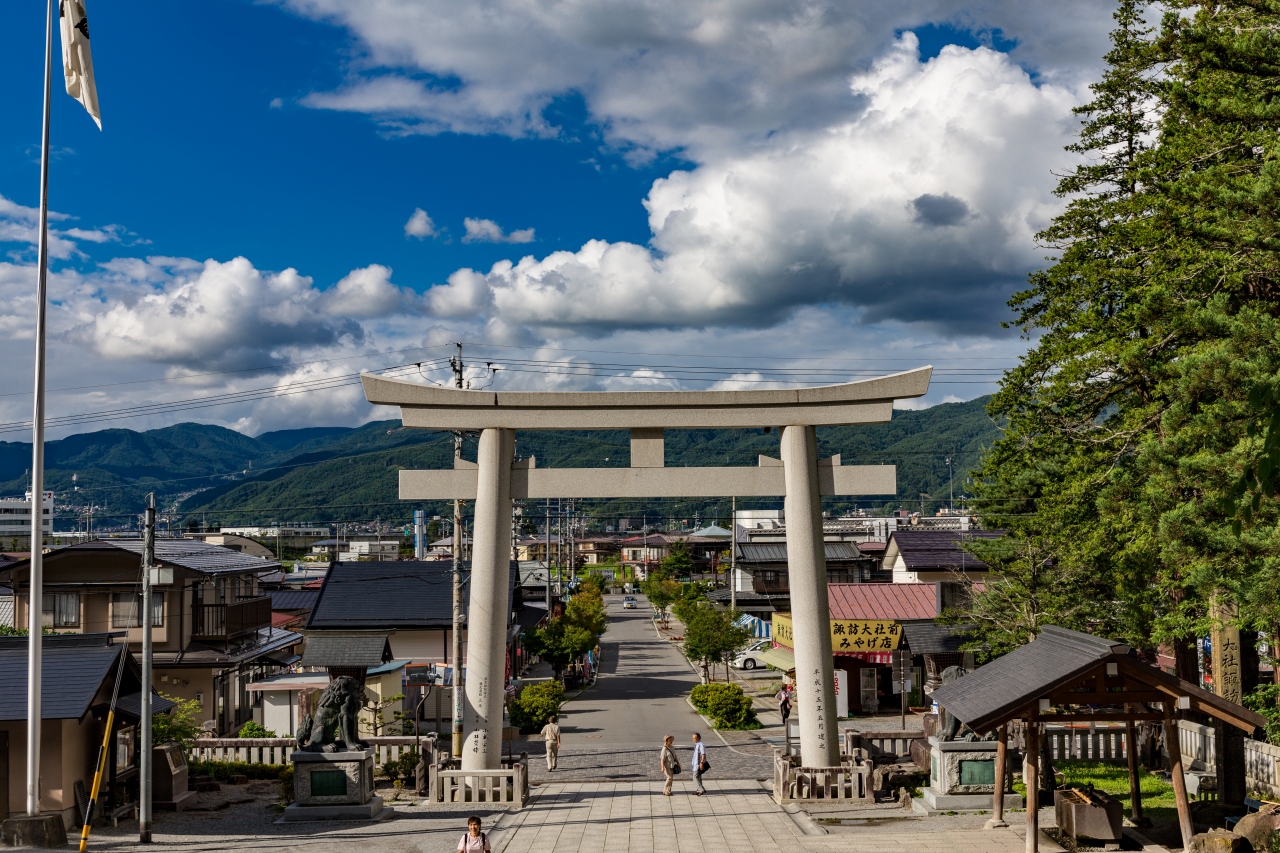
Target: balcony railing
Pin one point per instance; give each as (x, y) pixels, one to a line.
(226, 621)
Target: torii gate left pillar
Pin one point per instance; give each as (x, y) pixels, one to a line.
(495, 479)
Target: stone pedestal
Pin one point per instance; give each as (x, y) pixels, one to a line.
(334, 786)
(962, 778)
(43, 830)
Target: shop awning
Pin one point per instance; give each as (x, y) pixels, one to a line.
(779, 658)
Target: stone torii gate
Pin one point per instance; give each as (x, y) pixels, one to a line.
(495, 479)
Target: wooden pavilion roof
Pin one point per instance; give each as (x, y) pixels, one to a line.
(1083, 678)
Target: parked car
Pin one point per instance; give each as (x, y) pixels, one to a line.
(628, 602)
(749, 658)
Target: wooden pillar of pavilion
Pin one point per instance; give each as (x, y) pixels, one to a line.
(1032, 781)
(1135, 786)
(1002, 759)
(1174, 748)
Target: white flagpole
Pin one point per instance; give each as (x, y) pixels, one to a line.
(35, 601)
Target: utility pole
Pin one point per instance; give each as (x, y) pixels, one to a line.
(951, 485)
(573, 564)
(733, 558)
(457, 365)
(144, 763)
(548, 555)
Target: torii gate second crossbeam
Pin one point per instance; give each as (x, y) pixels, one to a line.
(496, 478)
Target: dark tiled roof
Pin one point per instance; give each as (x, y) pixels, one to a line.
(897, 601)
(72, 675)
(190, 554)
(261, 644)
(407, 594)
(930, 638)
(342, 648)
(776, 552)
(936, 550)
(293, 599)
(1025, 674)
(1058, 658)
(132, 705)
(198, 556)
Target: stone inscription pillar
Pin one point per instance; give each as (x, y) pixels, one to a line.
(810, 612)
(487, 612)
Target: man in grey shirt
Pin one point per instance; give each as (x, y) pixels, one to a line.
(699, 764)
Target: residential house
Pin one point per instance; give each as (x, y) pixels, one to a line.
(594, 550)
(408, 601)
(534, 548)
(924, 556)
(78, 679)
(211, 625)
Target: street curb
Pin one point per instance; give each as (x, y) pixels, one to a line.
(712, 727)
(803, 821)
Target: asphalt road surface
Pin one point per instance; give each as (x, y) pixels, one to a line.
(614, 729)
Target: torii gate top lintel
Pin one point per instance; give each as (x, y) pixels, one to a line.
(432, 407)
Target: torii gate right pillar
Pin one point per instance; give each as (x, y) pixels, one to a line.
(810, 611)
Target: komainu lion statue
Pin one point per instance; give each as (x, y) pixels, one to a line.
(336, 719)
(949, 726)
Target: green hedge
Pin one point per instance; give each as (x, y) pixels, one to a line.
(726, 705)
(222, 771)
(536, 704)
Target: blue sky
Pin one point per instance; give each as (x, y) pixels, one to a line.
(819, 187)
(190, 119)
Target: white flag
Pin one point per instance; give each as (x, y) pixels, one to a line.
(77, 62)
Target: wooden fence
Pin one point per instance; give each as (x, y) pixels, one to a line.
(848, 781)
(276, 750)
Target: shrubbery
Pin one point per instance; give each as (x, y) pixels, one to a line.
(726, 705)
(536, 704)
(222, 771)
(255, 729)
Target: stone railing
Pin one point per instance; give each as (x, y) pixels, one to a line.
(1261, 760)
(276, 750)
(451, 784)
(848, 781)
(892, 742)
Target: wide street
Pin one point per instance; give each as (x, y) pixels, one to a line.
(614, 729)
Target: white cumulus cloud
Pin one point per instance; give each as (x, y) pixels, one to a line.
(827, 216)
(488, 231)
(420, 225)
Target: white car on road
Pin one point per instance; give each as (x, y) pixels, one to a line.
(628, 602)
(749, 658)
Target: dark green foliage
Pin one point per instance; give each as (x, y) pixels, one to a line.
(678, 563)
(1265, 699)
(726, 705)
(559, 643)
(222, 771)
(536, 704)
(710, 634)
(255, 729)
(1133, 418)
(180, 725)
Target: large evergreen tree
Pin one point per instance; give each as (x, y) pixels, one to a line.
(1129, 421)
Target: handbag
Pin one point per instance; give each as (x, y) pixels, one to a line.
(706, 765)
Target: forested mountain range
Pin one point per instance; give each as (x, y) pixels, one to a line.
(217, 476)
